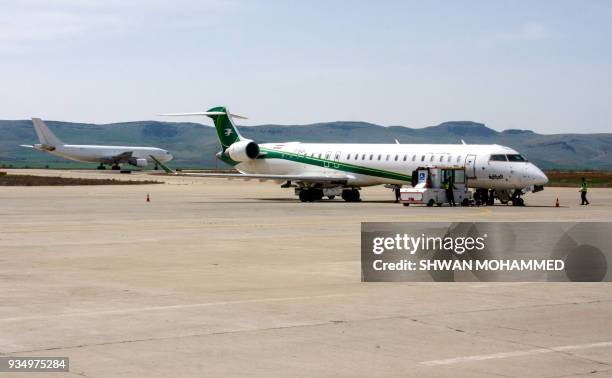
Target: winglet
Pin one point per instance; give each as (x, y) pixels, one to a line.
(164, 167)
(463, 142)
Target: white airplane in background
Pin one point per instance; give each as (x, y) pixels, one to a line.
(316, 170)
(112, 155)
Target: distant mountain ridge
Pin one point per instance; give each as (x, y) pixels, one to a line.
(194, 144)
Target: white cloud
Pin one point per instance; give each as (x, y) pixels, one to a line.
(26, 23)
(51, 25)
(527, 32)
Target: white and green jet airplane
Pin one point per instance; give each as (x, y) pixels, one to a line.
(318, 170)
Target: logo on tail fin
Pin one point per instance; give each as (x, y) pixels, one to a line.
(224, 124)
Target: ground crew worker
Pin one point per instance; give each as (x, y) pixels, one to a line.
(397, 193)
(584, 187)
(448, 187)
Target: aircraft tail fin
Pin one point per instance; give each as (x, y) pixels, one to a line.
(45, 136)
(224, 124)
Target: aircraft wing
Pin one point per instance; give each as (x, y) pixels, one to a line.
(337, 179)
(26, 145)
(123, 157)
(248, 176)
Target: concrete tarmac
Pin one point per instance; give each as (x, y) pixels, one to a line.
(218, 277)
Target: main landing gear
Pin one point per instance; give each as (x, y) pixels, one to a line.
(115, 167)
(311, 195)
(101, 166)
(317, 194)
(351, 195)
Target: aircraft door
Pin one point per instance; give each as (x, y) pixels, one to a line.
(337, 159)
(328, 156)
(470, 166)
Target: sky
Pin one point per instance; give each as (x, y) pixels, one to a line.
(539, 65)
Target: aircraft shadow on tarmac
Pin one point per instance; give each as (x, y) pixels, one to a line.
(322, 201)
(287, 200)
(389, 202)
(295, 200)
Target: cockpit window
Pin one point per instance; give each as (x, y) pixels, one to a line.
(498, 158)
(516, 158)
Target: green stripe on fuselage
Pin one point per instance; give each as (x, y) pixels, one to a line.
(331, 164)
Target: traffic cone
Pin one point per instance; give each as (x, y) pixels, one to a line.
(557, 202)
(149, 200)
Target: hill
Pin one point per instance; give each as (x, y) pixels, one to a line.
(194, 144)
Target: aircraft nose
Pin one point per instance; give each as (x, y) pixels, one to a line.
(539, 178)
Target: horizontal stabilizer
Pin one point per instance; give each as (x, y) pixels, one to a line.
(201, 114)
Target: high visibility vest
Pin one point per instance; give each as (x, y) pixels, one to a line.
(446, 185)
(584, 187)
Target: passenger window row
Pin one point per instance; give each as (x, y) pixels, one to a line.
(439, 158)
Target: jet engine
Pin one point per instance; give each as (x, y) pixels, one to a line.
(139, 162)
(243, 150)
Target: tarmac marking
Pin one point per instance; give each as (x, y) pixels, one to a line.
(35, 229)
(169, 307)
(518, 353)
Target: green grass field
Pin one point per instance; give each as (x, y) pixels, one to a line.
(595, 179)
